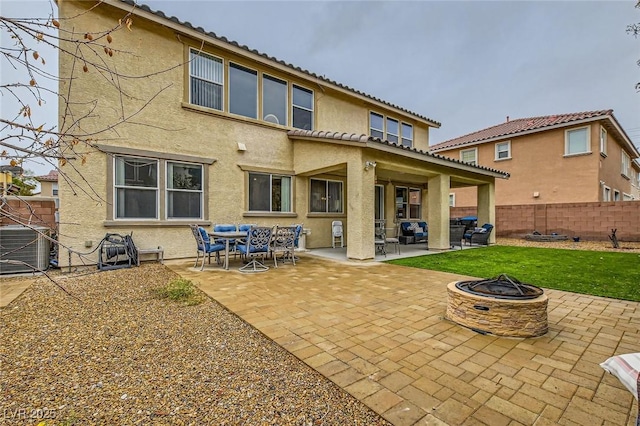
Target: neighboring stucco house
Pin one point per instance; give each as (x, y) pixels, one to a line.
(566, 158)
(236, 136)
(49, 184)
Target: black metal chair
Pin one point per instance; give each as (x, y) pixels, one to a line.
(456, 235)
(479, 235)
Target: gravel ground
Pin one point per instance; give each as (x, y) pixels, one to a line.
(625, 247)
(120, 356)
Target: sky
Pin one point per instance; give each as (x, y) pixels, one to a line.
(467, 65)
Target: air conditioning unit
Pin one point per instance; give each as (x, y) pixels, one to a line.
(27, 245)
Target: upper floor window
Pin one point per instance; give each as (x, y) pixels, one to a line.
(616, 195)
(326, 196)
(626, 164)
(269, 192)
(274, 100)
(243, 91)
(469, 156)
(376, 125)
(577, 141)
(606, 193)
(184, 190)
(54, 189)
(136, 188)
(302, 108)
(392, 130)
(603, 141)
(503, 150)
(407, 135)
(206, 80)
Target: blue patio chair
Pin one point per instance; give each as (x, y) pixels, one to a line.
(479, 235)
(226, 228)
(205, 246)
(257, 245)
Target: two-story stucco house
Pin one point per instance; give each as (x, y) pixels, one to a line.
(567, 158)
(236, 136)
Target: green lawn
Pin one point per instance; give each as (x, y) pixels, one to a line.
(608, 274)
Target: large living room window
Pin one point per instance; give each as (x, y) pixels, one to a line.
(469, 156)
(392, 130)
(407, 135)
(302, 108)
(206, 80)
(243, 91)
(136, 188)
(269, 192)
(577, 141)
(274, 100)
(184, 191)
(408, 202)
(326, 196)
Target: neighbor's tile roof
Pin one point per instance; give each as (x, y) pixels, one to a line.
(353, 137)
(519, 125)
(271, 58)
(52, 176)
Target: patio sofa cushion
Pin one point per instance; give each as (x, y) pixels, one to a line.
(418, 230)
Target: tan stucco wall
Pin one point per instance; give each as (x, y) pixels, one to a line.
(538, 165)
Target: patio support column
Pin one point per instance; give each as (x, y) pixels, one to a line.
(360, 201)
(390, 204)
(487, 207)
(438, 221)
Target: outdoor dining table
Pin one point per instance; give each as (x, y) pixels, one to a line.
(227, 236)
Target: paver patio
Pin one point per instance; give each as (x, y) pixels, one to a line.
(379, 332)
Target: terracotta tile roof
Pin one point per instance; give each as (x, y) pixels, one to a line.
(353, 137)
(52, 176)
(520, 125)
(271, 58)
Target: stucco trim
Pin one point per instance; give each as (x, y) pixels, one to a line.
(154, 223)
(269, 214)
(111, 149)
(250, 168)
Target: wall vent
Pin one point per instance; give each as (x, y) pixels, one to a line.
(24, 244)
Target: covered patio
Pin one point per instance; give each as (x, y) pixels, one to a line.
(384, 181)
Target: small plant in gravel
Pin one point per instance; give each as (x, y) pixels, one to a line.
(180, 290)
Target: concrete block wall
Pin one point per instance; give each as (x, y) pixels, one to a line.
(589, 221)
(36, 211)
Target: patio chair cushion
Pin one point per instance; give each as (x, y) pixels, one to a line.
(626, 368)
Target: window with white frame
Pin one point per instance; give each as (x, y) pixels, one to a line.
(452, 200)
(627, 197)
(603, 141)
(503, 150)
(390, 129)
(184, 191)
(469, 156)
(136, 188)
(626, 164)
(616, 195)
(54, 189)
(325, 196)
(606, 193)
(577, 141)
(376, 125)
(274, 100)
(302, 108)
(243, 91)
(407, 135)
(269, 192)
(206, 77)
(393, 130)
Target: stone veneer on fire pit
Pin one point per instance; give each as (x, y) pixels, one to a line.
(502, 317)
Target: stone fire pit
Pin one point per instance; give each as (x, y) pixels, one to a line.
(500, 306)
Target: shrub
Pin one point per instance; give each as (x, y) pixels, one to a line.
(181, 290)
